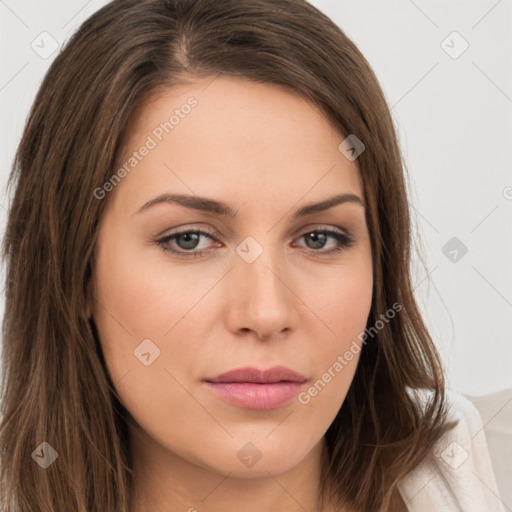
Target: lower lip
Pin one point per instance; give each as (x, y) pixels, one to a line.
(256, 396)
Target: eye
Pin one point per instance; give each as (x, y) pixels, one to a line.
(317, 239)
(187, 242)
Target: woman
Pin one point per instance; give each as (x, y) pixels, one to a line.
(208, 299)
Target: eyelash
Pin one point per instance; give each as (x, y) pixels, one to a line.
(342, 242)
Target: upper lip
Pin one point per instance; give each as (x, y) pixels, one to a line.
(250, 374)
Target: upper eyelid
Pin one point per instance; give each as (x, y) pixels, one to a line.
(213, 234)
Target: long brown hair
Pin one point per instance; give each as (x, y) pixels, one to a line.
(55, 386)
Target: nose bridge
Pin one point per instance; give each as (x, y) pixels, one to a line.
(260, 268)
(265, 302)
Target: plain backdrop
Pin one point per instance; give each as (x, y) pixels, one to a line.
(445, 68)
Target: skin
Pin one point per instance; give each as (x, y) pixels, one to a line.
(266, 152)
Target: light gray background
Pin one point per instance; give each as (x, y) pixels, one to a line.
(455, 125)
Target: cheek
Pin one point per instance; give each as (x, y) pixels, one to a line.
(137, 302)
(131, 305)
(343, 302)
(342, 307)
(142, 298)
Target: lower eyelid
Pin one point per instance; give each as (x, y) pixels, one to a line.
(342, 240)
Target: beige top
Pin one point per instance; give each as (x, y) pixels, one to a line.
(458, 476)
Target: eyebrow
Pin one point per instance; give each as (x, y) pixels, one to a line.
(219, 208)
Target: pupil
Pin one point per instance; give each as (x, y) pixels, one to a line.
(318, 240)
(190, 240)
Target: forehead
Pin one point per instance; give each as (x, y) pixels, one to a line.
(234, 139)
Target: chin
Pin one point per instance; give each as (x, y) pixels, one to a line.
(253, 460)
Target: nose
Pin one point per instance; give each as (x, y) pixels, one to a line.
(261, 298)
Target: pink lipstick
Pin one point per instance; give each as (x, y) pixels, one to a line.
(257, 389)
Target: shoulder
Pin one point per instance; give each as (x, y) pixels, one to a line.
(458, 474)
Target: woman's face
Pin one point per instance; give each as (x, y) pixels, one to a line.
(263, 287)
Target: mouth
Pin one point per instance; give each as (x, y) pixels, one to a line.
(251, 388)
